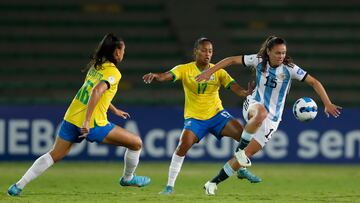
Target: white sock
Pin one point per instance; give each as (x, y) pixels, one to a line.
(228, 169)
(131, 160)
(38, 167)
(246, 135)
(174, 169)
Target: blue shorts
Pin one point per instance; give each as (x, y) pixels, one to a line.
(71, 132)
(213, 125)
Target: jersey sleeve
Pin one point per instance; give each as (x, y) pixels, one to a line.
(225, 79)
(298, 73)
(111, 76)
(177, 72)
(251, 60)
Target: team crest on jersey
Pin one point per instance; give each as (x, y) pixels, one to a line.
(111, 80)
(300, 71)
(282, 76)
(212, 77)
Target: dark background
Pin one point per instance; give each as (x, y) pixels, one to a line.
(44, 44)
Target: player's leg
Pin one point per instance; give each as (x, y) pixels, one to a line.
(60, 149)
(261, 137)
(232, 129)
(187, 140)
(255, 114)
(231, 167)
(121, 137)
(242, 172)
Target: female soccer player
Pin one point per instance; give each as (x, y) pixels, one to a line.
(203, 111)
(86, 118)
(263, 109)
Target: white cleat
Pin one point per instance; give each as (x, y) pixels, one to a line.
(210, 188)
(242, 158)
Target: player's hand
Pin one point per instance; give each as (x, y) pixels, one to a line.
(122, 114)
(332, 109)
(251, 87)
(148, 78)
(204, 76)
(85, 129)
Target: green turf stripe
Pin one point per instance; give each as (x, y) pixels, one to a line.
(288, 8)
(293, 25)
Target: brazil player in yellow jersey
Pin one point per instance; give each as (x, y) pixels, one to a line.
(203, 111)
(86, 118)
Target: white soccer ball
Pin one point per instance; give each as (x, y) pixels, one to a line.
(305, 109)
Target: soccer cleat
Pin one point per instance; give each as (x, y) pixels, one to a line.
(167, 190)
(137, 181)
(242, 158)
(210, 188)
(14, 190)
(246, 174)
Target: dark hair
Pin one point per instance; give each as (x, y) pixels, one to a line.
(104, 51)
(201, 41)
(269, 43)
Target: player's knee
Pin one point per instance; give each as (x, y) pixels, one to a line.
(238, 132)
(138, 144)
(182, 149)
(56, 155)
(261, 115)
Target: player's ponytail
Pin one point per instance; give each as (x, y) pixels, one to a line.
(104, 51)
(269, 43)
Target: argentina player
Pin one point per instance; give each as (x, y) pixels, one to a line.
(263, 109)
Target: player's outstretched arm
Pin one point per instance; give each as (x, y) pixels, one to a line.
(161, 77)
(330, 108)
(240, 91)
(205, 76)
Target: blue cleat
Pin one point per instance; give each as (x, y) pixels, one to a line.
(14, 190)
(246, 174)
(167, 190)
(137, 181)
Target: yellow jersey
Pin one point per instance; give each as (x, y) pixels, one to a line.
(202, 100)
(76, 112)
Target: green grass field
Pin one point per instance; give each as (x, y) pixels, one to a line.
(98, 182)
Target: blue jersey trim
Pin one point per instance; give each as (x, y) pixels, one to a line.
(258, 77)
(268, 91)
(282, 93)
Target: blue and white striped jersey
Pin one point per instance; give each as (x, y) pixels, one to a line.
(273, 85)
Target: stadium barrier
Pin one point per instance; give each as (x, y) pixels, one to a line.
(26, 132)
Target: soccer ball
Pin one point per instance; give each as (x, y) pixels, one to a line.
(305, 109)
